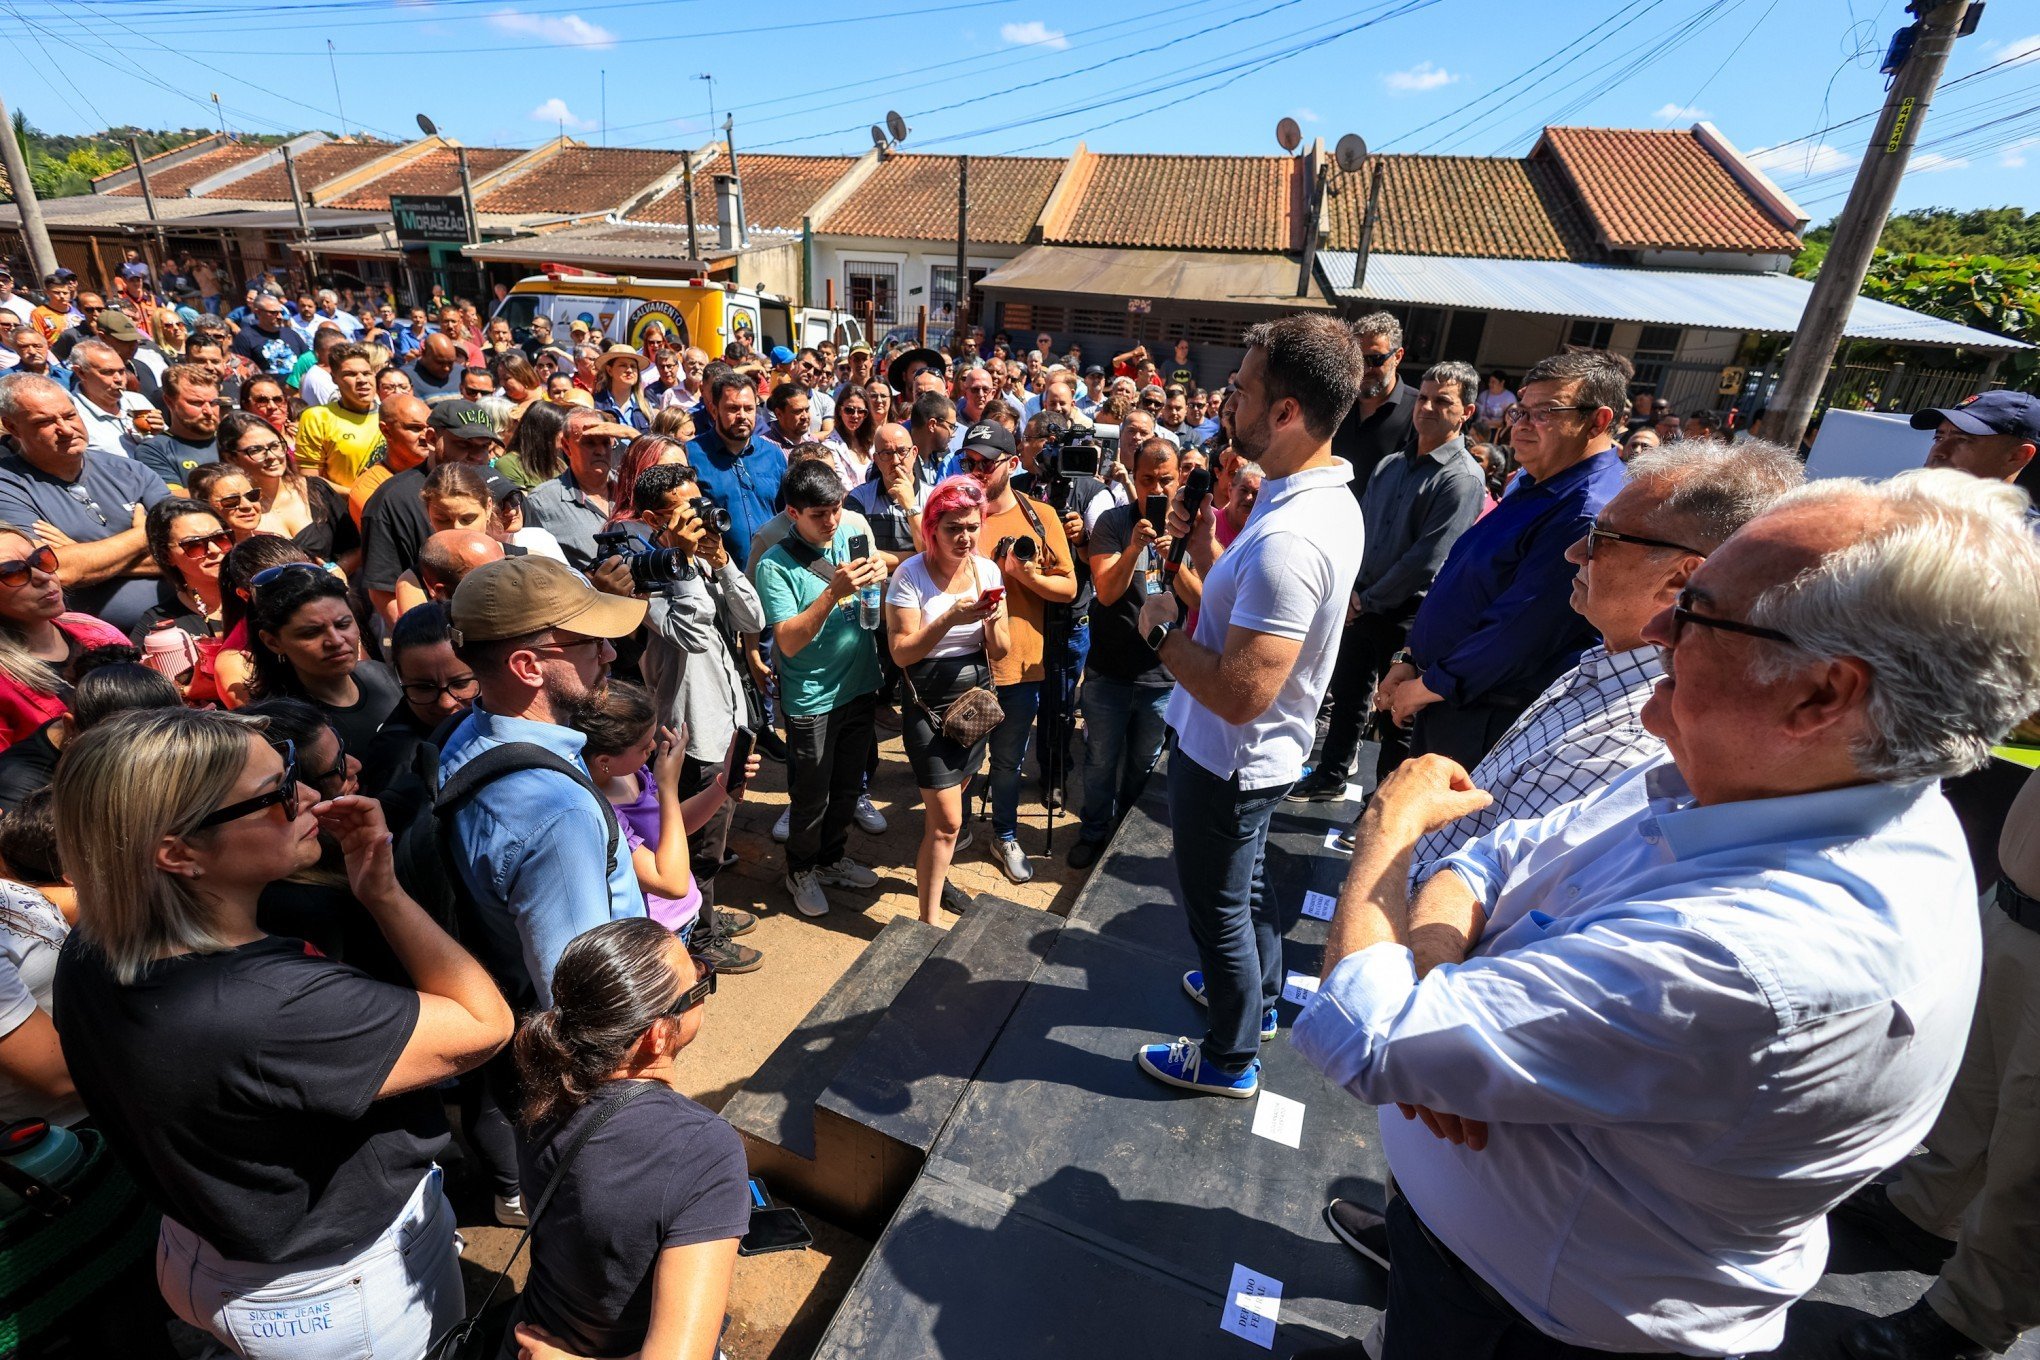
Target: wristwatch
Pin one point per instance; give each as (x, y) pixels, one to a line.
(1159, 634)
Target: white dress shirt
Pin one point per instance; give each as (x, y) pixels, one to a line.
(1692, 1031)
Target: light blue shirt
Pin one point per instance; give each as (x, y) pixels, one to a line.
(1692, 1031)
(530, 850)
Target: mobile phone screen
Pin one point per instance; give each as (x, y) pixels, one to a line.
(739, 756)
(1156, 512)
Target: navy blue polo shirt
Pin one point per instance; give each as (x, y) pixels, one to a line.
(100, 504)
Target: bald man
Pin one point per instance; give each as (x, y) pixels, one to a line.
(450, 555)
(435, 373)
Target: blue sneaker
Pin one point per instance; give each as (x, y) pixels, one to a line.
(1193, 983)
(1182, 1064)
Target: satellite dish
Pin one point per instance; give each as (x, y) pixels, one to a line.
(878, 137)
(1288, 135)
(896, 125)
(1350, 153)
(427, 126)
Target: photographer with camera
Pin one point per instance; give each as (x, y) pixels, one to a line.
(828, 675)
(1062, 465)
(1033, 553)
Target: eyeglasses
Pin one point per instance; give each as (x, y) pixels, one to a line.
(284, 794)
(79, 494)
(234, 500)
(1519, 414)
(1599, 535)
(260, 450)
(279, 400)
(196, 545)
(564, 647)
(461, 687)
(1377, 360)
(339, 770)
(269, 576)
(19, 571)
(702, 990)
(1682, 614)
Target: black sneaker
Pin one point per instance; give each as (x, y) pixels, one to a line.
(1361, 1229)
(1319, 786)
(733, 921)
(1085, 853)
(728, 956)
(1916, 1334)
(772, 746)
(955, 899)
(1872, 1213)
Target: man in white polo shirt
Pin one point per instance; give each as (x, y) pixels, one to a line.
(1249, 683)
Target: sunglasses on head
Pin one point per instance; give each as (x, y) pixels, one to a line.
(284, 794)
(271, 575)
(18, 571)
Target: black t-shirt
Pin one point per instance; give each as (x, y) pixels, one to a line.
(1364, 442)
(272, 354)
(379, 693)
(26, 766)
(393, 529)
(1118, 652)
(664, 1172)
(240, 1090)
(394, 747)
(172, 458)
(331, 535)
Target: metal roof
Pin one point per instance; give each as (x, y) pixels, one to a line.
(1664, 297)
(284, 219)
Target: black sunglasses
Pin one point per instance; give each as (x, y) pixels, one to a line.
(19, 571)
(339, 769)
(1598, 535)
(702, 990)
(1682, 614)
(196, 545)
(1377, 360)
(285, 793)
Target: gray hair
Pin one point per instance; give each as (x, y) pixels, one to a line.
(1247, 467)
(1460, 374)
(1378, 323)
(89, 347)
(1603, 377)
(1941, 601)
(1711, 490)
(15, 386)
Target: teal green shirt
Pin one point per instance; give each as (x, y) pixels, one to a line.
(841, 662)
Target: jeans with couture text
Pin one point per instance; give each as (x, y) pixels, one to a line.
(1123, 734)
(1221, 837)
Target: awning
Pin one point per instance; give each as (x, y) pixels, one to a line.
(283, 219)
(1770, 303)
(1237, 279)
(610, 247)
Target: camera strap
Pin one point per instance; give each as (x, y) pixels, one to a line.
(1049, 560)
(803, 552)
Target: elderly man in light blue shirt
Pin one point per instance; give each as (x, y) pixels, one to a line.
(1659, 1032)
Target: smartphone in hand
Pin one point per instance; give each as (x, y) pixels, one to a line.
(737, 761)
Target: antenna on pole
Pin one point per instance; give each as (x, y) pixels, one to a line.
(339, 104)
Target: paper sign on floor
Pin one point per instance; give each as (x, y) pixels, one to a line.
(1252, 1301)
(1319, 905)
(1355, 794)
(1278, 1117)
(1332, 840)
(1300, 988)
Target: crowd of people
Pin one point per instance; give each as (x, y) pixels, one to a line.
(376, 694)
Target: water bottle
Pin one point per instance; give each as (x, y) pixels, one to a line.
(869, 614)
(46, 1151)
(169, 650)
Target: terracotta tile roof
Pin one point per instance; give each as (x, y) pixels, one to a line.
(174, 181)
(315, 166)
(435, 172)
(1186, 203)
(1463, 205)
(778, 190)
(914, 197)
(580, 179)
(1660, 189)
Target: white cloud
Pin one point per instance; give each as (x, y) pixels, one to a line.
(1033, 33)
(2019, 51)
(1424, 75)
(1305, 115)
(1927, 162)
(1681, 113)
(554, 29)
(556, 112)
(1798, 159)
(2014, 157)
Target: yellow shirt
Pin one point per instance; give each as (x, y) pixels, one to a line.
(337, 444)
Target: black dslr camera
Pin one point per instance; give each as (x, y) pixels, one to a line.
(648, 566)
(1021, 547)
(712, 515)
(1068, 455)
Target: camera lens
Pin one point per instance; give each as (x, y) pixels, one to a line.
(1023, 549)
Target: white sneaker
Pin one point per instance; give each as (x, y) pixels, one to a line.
(783, 828)
(846, 873)
(805, 888)
(510, 1211)
(1011, 859)
(868, 817)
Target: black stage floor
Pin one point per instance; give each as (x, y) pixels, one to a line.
(1072, 1206)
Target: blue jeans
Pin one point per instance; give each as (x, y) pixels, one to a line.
(1123, 732)
(1009, 752)
(1221, 837)
(1066, 672)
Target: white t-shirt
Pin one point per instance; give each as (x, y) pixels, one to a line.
(20, 308)
(1288, 574)
(317, 387)
(913, 588)
(32, 930)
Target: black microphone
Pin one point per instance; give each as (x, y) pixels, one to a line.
(1196, 487)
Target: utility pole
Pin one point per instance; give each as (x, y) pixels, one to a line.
(962, 248)
(1841, 275)
(42, 256)
(467, 197)
(687, 191)
(148, 195)
(304, 221)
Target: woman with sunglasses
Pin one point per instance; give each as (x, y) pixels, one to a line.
(850, 440)
(278, 1105)
(189, 545)
(231, 495)
(307, 510)
(635, 1254)
(308, 646)
(39, 639)
(437, 687)
(267, 397)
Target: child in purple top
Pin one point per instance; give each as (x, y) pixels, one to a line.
(623, 731)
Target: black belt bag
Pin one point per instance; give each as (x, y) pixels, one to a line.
(2017, 905)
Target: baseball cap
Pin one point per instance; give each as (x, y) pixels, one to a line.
(519, 596)
(114, 325)
(2013, 413)
(1094, 370)
(458, 418)
(578, 325)
(860, 348)
(989, 437)
(781, 355)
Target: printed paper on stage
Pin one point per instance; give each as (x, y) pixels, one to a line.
(1252, 1301)
(1300, 988)
(1319, 905)
(1278, 1117)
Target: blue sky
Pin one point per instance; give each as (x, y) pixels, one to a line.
(993, 76)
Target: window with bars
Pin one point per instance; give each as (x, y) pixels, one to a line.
(1590, 334)
(873, 284)
(942, 291)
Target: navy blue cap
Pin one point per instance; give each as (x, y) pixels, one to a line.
(2000, 412)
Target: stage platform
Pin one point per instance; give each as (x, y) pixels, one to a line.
(1070, 1206)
